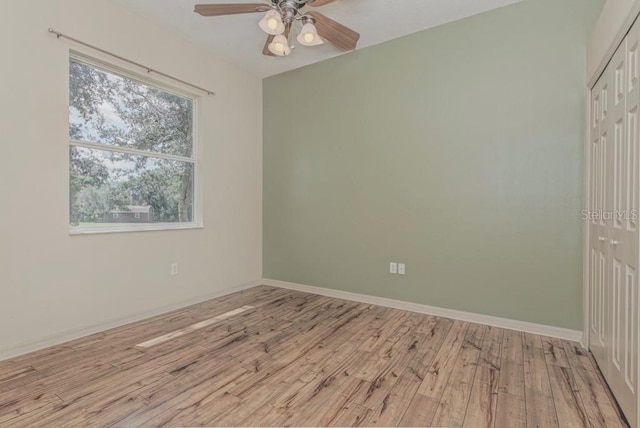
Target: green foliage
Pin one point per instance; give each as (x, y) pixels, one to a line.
(93, 202)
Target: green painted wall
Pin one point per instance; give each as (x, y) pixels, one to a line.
(457, 150)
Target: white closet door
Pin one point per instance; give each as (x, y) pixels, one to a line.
(613, 241)
(623, 130)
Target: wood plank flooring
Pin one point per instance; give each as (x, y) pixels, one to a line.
(297, 359)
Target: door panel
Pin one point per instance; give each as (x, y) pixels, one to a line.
(631, 358)
(618, 302)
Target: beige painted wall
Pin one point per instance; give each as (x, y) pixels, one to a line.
(56, 286)
(616, 18)
(457, 150)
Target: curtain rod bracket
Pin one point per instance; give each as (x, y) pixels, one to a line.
(148, 69)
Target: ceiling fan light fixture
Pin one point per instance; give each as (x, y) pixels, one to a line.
(309, 35)
(272, 23)
(280, 46)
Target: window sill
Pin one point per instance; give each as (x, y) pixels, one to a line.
(123, 229)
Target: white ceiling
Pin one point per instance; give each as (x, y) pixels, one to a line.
(238, 38)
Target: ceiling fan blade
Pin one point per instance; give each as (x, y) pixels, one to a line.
(229, 9)
(265, 50)
(344, 38)
(318, 3)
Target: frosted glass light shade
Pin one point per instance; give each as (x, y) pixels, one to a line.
(279, 46)
(272, 23)
(309, 35)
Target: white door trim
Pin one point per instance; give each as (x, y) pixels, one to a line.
(586, 312)
(528, 327)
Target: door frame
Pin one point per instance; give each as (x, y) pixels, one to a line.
(586, 292)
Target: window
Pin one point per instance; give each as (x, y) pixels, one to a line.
(131, 151)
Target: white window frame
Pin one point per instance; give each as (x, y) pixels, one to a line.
(128, 73)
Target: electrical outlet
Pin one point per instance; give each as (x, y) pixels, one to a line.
(393, 267)
(401, 269)
(174, 269)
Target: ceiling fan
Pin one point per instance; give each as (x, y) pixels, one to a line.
(280, 15)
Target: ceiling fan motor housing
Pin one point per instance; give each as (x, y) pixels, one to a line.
(289, 9)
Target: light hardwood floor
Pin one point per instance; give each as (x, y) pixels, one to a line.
(306, 360)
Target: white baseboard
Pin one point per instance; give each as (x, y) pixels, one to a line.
(69, 335)
(541, 329)
(545, 330)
